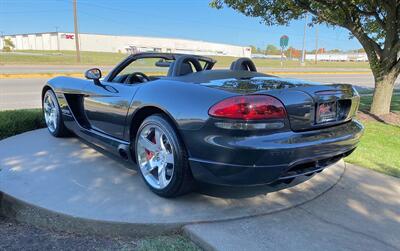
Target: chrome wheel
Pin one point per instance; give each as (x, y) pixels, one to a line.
(51, 114)
(155, 156)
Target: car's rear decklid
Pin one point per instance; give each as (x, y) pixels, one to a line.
(309, 105)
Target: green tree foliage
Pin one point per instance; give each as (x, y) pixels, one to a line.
(8, 45)
(272, 50)
(376, 25)
(253, 49)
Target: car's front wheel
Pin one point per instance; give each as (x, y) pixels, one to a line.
(162, 158)
(52, 115)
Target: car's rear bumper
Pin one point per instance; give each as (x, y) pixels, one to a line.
(266, 159)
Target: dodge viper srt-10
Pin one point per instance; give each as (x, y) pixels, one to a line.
(180, 121)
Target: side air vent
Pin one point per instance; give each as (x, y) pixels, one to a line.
(75, 103)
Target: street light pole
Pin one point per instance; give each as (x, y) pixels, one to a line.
(78, 53)
(303, 53)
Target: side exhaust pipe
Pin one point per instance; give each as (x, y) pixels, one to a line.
(123, 151)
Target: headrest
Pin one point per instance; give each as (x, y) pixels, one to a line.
(183, 66)
(243, 64)
(186, 68)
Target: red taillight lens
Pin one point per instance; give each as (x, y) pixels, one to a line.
(250, 107)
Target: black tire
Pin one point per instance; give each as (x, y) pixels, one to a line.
(182, 181)
(60, 130)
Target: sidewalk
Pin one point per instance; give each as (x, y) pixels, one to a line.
(362, 212)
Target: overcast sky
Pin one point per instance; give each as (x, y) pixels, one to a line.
(161, 18)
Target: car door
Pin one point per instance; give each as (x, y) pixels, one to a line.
(107, 102)
(106, 105)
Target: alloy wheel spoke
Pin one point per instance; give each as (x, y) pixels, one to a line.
(149, 167)
(147, 144)
(51, 102)
(157, 137)
(162, 179)
(47, 108)
(169, 158)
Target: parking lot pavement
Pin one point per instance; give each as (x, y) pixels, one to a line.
(362, 212)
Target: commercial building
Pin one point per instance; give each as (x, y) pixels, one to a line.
(122, 44)
(359, 57)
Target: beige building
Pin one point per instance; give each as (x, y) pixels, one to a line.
(123, 44)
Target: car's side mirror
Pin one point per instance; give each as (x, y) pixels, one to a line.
(94, 74)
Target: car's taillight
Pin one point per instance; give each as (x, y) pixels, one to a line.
(249, 107)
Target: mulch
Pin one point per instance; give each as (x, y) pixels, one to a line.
(392, 118)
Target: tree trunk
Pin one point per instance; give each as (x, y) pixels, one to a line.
(383, 94)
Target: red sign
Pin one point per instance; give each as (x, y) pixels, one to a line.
(67, 36)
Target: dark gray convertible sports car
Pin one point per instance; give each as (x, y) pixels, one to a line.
(181, 121)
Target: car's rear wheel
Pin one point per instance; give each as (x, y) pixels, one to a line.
(162, 158)
(52, 115)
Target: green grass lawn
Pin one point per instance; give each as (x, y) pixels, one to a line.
(166, 243)
(107, 58)
(224, 62)
(366, 102)
(61, 58)
(379, 149)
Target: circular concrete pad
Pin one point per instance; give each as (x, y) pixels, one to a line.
(67, 184)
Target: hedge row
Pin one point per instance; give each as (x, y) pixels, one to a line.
(19, 121)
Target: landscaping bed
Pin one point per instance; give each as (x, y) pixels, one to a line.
(20, 236)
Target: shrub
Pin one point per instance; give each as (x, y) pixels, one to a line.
(19, 121)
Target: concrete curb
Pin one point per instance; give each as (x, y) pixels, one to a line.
(80, 74)
(32, 214)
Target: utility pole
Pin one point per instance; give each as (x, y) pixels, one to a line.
(78, 53)
(58, 38)
(316, 44)
(303, 53)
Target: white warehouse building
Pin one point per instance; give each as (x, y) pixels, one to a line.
(122, 44)
(359, 57)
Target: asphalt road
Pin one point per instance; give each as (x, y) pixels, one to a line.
(25, 93)
(20, 93)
